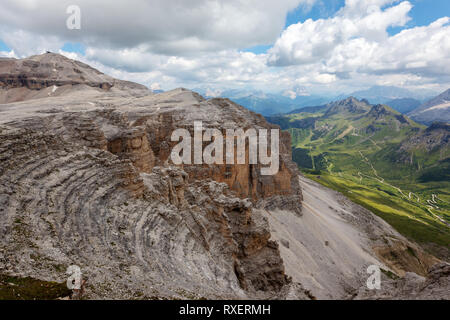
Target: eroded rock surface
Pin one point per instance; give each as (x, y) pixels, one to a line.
(86, 179)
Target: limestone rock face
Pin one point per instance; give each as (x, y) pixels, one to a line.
(86, 179)
(50, 74)
(133, 144)
(140, 129)
(156, 234)
(223, 114)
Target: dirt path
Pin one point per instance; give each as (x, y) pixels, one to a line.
(344, 133)
(379, 178)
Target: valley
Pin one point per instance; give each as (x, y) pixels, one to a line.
(380, 159)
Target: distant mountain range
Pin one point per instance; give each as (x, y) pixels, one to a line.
(404, 105)
(266, 103)
(383, 94)
(269, 104)
(436, 109)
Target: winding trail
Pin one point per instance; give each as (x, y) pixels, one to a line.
(381, 179)
(432, 204)
(430, 208)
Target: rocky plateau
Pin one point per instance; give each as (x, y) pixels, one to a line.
(86, 179)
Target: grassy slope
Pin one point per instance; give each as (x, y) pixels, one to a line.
(362, 164)
(407, 216)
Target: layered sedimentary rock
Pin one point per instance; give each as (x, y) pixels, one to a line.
(221, 114)
(140, 129)
(156, 234)
(47, 70)
(86, 179)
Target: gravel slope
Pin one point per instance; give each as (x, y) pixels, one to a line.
(329, 247)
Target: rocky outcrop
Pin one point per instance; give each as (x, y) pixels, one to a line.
(86, 179)
(257, 261)
(436, 136)
(133, 144)
(220, 114)
(349, 105)
(141, 132)
(131, 233)
(434, 286)
(434, 140)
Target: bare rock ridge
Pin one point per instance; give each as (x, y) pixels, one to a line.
(23, 79)
(351, 105)
(86, 180)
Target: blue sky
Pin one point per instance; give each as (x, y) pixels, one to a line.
(4, 47)
(283, 45)
(423, 13)
(426, 11)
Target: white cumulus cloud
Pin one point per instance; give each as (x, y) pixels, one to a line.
(199, 43)
(178, 27)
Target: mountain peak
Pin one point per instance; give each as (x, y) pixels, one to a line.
(350, 99)
(380, 109)
(446, 93)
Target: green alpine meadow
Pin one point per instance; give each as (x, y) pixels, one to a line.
(381, 159)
